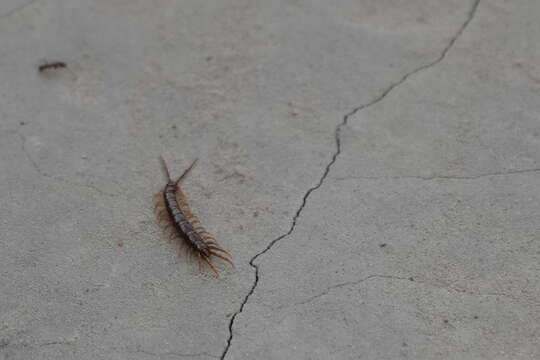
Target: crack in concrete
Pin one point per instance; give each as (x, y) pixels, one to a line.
(441, 177)
(17, 9)
(30, 158)
(6, 343)
(56, 343)
(448, 288)
(44, 174)
(343, 284)
(88, 186)
(337, 136)
(172, 353)
(512, 297)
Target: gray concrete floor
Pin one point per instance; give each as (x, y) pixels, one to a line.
(373, 166)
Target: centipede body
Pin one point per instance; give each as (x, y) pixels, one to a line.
(52, 65)
(174, 213)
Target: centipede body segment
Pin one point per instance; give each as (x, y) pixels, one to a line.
(174, 213)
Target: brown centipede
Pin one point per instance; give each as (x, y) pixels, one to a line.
(174, 213)
(52, 65)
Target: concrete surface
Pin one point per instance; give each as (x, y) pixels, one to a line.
(371, 165)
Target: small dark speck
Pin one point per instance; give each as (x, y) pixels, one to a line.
(229, 315)
(255, 214)
(22, 123)
(173, 127)
(382, 245)
(411, 278)
(476, 316)
(404, 344)
(445, 321)
(209, 58)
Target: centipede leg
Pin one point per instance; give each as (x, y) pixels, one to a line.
(192, 255)
(162, 212)
(223, 258)
(211, 243)
(210, 265)
(214, 248)
(202, 232)
(209, 239)
(168, 226)
(199, 262)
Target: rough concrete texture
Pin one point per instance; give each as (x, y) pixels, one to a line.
(371, 165)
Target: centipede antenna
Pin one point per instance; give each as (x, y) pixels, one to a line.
(165, 168)
(186, 171)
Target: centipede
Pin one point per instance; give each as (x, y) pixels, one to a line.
(183, 227)
(51, 65)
